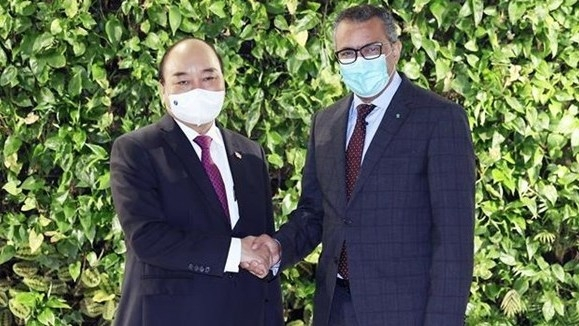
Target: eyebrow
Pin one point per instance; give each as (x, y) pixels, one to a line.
(206, 70)
(365, 45)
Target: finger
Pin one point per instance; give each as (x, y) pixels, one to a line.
(259, 268)
(259, 272)
(257, 242)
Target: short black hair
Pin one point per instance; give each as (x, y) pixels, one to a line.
(162, 64)
(362, 13)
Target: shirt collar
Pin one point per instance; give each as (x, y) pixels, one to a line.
(213, 132)
(384, 99)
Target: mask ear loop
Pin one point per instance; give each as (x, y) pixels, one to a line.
(390, 74)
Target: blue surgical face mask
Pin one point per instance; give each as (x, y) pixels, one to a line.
(366, 78)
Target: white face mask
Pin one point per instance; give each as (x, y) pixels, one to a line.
(198, 106)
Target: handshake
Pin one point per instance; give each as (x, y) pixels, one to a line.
(259, 254)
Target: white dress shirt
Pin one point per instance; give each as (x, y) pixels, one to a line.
(219, 156)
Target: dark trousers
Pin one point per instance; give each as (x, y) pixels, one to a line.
(342, 312)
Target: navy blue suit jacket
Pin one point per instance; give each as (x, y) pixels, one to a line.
(409, 223)
(177, 235)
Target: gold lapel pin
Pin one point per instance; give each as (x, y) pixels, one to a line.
(238, 155)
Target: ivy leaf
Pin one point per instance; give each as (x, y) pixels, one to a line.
(29, 204)
(74, 270)
(12, 188)
(438, 9)
(549, 192)
(6, 253)
(478, 7)
(292, 6)
(75, 84)
(102, 296)
(55, 59)
(100, 152)
(47, 317)
(301, 37)
(175, 19)
(217, 7)
(35, 240)
(11, 145)
(558, 272)
(99, 75)
(419, 5)
(9, 76)
(412, 70)
(575, 138)
(114, 31)
(548, 310)
(508, 259)
(55, 302)
(275, 160)
(43, 42)
(3, 57)
(70, 7)
(516, 10)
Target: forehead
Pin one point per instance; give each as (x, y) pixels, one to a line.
(352, 34)
(191, 56)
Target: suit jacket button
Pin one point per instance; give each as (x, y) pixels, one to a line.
(190, 267)
(202, 269)
(196, 268)
(207, 269)
(348, 222)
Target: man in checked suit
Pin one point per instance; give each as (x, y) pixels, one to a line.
(387, 189)
(189, 195)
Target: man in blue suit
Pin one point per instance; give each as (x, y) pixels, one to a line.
(189, 195)
(387, 189)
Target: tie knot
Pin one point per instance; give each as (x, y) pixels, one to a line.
(364, 110)
(203, 141)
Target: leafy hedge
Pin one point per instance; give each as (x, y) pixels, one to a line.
(77, 74)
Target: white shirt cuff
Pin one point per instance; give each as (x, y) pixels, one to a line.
(275, 268)
(234, 256)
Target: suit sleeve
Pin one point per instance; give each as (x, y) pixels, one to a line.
(451, 177)
(303, 231)
(135, 186)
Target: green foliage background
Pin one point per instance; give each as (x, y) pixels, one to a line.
(76, 74)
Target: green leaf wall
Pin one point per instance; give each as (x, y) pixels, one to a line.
(76, 74)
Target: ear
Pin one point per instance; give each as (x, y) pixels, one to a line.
(163, 95)
(397, 50)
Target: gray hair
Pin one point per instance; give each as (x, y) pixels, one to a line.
(364, 13)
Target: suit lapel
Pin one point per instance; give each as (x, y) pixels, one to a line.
(337, 147)
(181, 147)
(393, 119)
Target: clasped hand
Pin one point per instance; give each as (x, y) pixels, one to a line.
(259, 254)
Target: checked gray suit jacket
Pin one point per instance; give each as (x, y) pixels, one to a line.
(409, 222)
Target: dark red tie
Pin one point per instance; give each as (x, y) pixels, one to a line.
(353, 162)
(212, 171)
